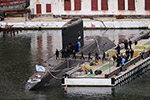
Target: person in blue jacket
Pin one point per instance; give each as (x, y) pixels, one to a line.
(123, 60)
(79, 46)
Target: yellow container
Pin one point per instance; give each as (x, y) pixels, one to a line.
(137, 52)
(99, 62)
(147, 47)
(139, 47)
(111, 52)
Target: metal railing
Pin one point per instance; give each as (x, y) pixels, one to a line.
(143, 55)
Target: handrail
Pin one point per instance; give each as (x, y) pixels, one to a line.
(143, 55)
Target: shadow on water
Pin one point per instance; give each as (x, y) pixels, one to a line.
(20, 53)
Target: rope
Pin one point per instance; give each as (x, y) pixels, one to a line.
(58, 78)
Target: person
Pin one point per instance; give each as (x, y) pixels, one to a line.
(127, 54)
(76, 47)
(79, 46)
(135, 42)
(130, 43)
(131, 53)
(74, 54)
(96, 56)
(62, 53)
(118, 49)
(114, 58)
(103, 56)
(65, 53)
(89, 55)
(125, 44)
(123, 60)
(57, 53)
(82, 56)
(118, 60)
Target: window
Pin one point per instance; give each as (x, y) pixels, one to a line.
(131, 5)
(48, 8)
(67, 5)
(38, 8)
(147, 4)
(77, 4)
(104, 5)
(121, 5)
(94, 5)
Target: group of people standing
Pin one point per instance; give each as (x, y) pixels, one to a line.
(120, 58)
(71, 49)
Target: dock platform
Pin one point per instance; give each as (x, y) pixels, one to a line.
(110, 75)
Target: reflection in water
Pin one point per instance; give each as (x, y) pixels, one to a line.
(114, 35)
(89, 90)
(20, 53)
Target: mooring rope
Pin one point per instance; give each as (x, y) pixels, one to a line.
(60, 78)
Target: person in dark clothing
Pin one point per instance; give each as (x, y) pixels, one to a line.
(130, 43)
(82, 56)
(131, 53)
(119, 59)
(73, 47)
(68, 51)
(89, 55)
(125, 44)
(74, 54)
(118, 49)
(127, 58)
(114, 58)
(104, 55)
(62, 53)
(127, 55)
(96, 56)
(57, 53)
(135, 42)
(127, 52)
(65, 53)
(76, 49)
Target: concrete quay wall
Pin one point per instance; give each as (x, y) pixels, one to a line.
(91, 24)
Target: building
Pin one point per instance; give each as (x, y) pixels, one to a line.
(90, 7)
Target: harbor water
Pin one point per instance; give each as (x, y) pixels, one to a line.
(21, 51)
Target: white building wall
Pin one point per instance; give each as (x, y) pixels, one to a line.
(57, 8)
(140, 7)
(113, 7)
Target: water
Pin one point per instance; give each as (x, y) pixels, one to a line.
(20, 53)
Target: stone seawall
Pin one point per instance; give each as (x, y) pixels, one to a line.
(87, 24)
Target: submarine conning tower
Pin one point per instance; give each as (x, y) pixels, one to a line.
(72, 32)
